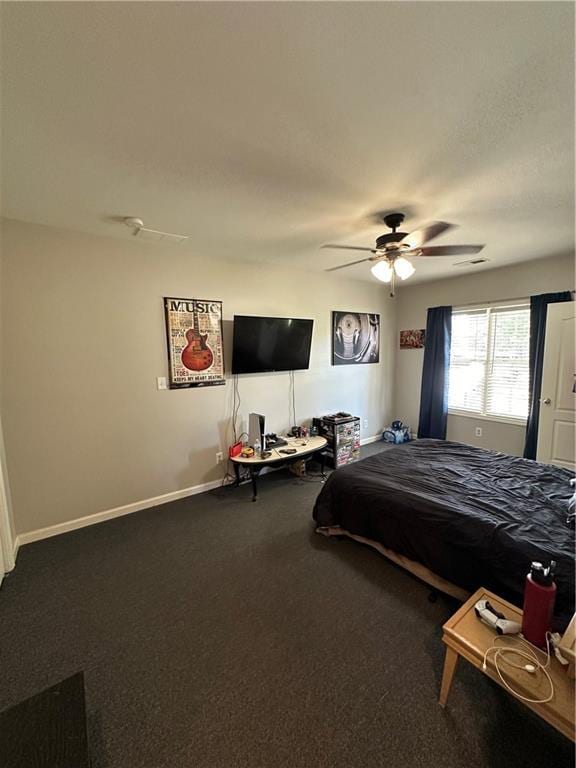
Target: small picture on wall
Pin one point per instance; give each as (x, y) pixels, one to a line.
(355, 338)
(412, 339)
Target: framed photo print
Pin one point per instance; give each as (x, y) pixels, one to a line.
(194, 337)
(412, 339)
(355, 338)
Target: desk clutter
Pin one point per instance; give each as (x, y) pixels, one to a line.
(294, 455)
(340, 430)
(278, 447)
(335, 438)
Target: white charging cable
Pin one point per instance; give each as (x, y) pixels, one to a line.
(527, 654)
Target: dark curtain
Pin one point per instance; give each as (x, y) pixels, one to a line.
(434, 392)
(538, 310)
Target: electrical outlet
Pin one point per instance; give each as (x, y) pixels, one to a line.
(161, 382)
(219, 457)
(478, 431)
(365, 423)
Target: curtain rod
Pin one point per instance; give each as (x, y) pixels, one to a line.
(520, 300)
(517, 299)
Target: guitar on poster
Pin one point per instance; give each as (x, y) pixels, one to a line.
(197, 355)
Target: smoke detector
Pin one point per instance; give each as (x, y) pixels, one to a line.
(145, 233)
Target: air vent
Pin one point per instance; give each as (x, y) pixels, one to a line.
(470, 262)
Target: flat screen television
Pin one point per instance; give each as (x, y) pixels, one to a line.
(270, 344)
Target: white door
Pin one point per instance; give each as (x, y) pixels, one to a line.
(558, 399)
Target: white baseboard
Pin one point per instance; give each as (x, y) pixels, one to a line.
(110, 514)
(127, 509)
(373, 439)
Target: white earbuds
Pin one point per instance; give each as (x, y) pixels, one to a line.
(530, 668)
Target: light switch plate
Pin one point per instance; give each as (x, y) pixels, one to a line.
(162, 382)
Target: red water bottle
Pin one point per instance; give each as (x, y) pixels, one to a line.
(539, 598)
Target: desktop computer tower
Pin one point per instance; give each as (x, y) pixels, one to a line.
(256, 429)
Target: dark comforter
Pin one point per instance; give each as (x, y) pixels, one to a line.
(474, 517)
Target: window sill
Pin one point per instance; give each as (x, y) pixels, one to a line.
(481, 417)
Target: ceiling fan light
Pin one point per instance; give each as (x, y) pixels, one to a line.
(382, 270)
(403, 268)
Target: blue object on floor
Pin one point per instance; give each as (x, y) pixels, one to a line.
(397, 433)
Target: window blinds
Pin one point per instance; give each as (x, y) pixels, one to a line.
(507, 377)
(468, 360)
(489, 361)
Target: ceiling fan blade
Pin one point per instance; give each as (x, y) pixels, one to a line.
(348, 247)
(350, 264)
(449, 250)
(420, 236)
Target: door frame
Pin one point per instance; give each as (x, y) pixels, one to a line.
(7, 539)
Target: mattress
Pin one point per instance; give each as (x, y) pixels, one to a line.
(473, 517)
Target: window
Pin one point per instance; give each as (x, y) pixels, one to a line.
(489, 362)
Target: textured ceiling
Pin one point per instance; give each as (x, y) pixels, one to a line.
(263, 130)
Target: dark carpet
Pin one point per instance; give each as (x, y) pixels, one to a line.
(217, 633)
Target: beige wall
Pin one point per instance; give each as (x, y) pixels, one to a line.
(521, 281)
(83, 340)
(86, 429)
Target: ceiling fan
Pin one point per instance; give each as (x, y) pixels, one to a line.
(392, 248)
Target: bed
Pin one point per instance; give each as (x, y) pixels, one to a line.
(458, 516)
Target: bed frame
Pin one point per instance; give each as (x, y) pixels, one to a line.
(416, 569)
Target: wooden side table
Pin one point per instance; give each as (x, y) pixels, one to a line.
(467, 637)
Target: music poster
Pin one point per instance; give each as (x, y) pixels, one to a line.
(195, 348)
